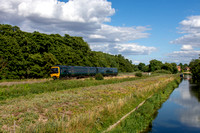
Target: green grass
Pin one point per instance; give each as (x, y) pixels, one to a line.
(51, 86)
(83, 109)
(140, 120)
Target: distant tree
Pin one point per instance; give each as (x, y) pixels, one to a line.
(174, 68)
(155, 65)
(146, 68)
(181, 65)
(141, 66)
(168, 67)
(195, 68)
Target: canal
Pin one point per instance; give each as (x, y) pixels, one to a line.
(181, 112)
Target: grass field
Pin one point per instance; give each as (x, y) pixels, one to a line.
(74, 105)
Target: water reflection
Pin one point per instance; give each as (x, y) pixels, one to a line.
(195, 89)
(181, 112)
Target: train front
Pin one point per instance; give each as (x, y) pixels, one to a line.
(55, 72)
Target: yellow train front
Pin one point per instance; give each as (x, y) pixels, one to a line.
(60, 71)
(55, 72)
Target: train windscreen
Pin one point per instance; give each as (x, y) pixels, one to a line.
(54, 70)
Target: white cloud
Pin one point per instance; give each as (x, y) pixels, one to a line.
(136, 62)
(134, 49)
(186, 48)
(190, 41)
(120, 34)
(190, 27)
(84, 18)
(85, 13)
(183, 56)
(192, 22)
(124, 49)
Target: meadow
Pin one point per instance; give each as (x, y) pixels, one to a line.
(74, 105)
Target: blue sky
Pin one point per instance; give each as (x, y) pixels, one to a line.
(140, 30)
(162, 16)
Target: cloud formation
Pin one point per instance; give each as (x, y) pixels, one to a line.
(190, 41)
(84, 18)
(190, 27)
(186, 48)
(183, 56)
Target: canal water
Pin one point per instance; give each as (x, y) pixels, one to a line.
(181, 112)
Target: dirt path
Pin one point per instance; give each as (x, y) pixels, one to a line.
(30, 81)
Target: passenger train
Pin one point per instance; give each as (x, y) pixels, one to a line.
(61, 71)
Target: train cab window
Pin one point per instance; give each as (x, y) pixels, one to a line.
(54, 70)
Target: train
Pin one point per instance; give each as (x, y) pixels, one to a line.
(62, 71)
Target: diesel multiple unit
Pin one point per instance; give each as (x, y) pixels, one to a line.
(60, 71)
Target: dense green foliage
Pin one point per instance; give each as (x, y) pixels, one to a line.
(30, 55)
(138, 74)
(156, 65)
(99, 76)
(195, 69)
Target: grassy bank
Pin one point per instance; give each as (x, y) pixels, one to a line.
(14, 91)
(83, 109)
(140, 120)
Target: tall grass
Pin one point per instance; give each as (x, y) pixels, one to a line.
(86, 109)
(51, 86)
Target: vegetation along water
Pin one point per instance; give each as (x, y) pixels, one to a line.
(181, 112)
(81, 108)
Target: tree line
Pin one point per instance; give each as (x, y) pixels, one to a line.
(31, 55)
(157, 66)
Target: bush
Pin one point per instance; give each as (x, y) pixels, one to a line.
(99, 76)
(138, 74)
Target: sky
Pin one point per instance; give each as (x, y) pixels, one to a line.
(140, 30)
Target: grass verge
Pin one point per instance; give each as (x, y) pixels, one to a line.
(14, 91)
(141, 119)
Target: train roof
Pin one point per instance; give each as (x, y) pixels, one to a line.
(83, 66)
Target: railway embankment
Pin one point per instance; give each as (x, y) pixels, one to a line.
(62, 107)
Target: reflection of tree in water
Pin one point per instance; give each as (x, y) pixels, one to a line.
(195, 89)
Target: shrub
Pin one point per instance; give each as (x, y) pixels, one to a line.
(99, 76)
(138, 74)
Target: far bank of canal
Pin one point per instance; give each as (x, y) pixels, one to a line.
(181, 112)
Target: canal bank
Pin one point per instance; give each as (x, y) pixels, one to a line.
(139, 120)
(181, 112)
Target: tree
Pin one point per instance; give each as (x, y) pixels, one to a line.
(174, 68)
(155, 65)
(141, 66)
(168, 67)
(31, 55)
(195, 68)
